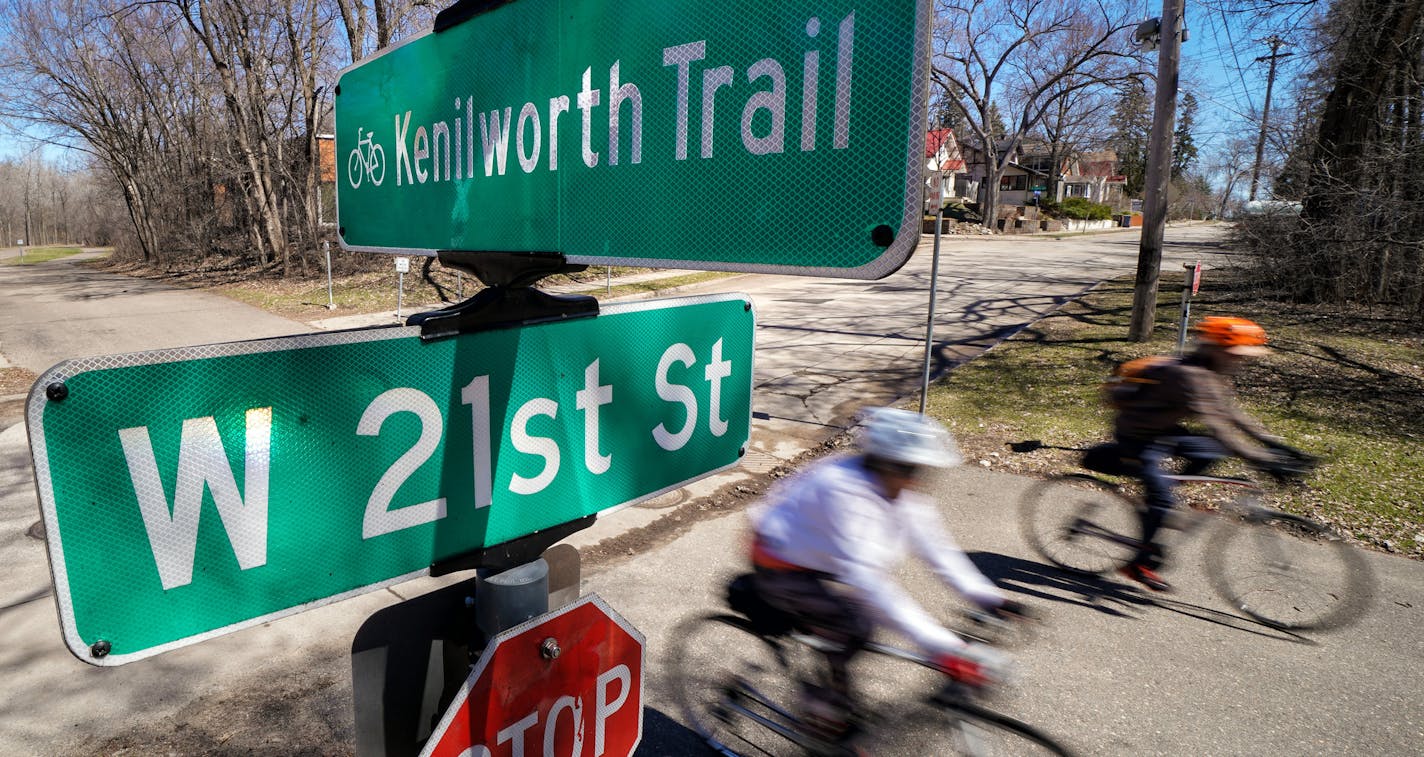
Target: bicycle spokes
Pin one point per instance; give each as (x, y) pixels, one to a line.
(1080, 523)
(1288, 572)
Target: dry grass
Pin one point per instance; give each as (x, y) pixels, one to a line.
(35, 255)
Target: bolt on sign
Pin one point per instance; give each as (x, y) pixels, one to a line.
(196, 491)
(736, 135)
(569, 682)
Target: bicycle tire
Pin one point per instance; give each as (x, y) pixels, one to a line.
(354, 167)
(1288, 572)
(962, 728)
(1052, 515)
(709, 655)
(378, 164)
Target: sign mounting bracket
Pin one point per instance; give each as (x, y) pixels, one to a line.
(509, 298)
(510, 554)
(464, 10)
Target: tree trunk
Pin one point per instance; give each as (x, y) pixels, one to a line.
(990, 192)
(1352, 108)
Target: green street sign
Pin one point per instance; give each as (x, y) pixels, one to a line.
(741, 135)
(191, 492)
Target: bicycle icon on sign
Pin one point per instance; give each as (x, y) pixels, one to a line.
(367, 159)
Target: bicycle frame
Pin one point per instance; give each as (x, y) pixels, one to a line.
(1251, 488)
(728, 702)
(1268, 579)
(948, 697)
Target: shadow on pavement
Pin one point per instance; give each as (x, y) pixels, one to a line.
(662, 735)
(1046, 582)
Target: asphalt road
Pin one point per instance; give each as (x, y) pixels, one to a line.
(1111, 672)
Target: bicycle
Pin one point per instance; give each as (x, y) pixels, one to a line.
(739, 678)
(370, 161)
(1282, 570)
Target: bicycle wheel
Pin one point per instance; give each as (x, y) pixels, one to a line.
(378, 165)
(1288, 572)
(355, 166)
(961, 728)
(735, 688)
(1080, 523)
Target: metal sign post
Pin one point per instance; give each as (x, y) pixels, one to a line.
(330, 298)
(934, 291)
(402, 267)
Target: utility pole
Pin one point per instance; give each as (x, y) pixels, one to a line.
(1275, 43)
(1159, 171)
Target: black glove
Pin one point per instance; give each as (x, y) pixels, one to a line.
(1282, 467)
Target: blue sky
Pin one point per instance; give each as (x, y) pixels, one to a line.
(1219, 66)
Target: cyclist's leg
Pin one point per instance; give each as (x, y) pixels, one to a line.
(1158, 500)
(829, 615)
(1200, 452)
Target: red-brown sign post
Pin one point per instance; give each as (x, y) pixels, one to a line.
(1189, 290)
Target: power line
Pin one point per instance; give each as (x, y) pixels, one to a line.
(1240, 70)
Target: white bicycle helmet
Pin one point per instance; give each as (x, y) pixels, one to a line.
(905, 437)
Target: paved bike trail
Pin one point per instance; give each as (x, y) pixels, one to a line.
(1111, 670)
(1111, 673)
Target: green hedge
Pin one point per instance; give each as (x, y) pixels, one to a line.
(1082, 209)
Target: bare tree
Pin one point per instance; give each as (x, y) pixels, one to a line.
(237, 38)
(373, 24)
(1354, 163)
(1229, 166)
(1077, 123)
(205, 112)
(1024, 57)
(107, 82)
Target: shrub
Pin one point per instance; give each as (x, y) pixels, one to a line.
(1083, 209)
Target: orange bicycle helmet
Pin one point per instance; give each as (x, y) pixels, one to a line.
(1238, 336)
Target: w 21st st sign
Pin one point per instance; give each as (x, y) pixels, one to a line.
(713, 134)
(192, 492)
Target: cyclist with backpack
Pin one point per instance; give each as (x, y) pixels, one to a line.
(1154, 396)
(827, 541)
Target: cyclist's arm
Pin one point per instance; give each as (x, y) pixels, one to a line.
(934, 544)
(858, 532)
(1250, 425)
(1211, 402)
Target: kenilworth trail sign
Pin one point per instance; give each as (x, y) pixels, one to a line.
(713, 134)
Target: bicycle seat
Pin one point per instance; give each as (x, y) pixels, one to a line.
(743, 599)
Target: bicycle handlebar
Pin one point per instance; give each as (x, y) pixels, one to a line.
(1291, 463)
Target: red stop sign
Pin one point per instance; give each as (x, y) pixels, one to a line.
(568, 683)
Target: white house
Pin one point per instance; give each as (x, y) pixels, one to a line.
(943, 163)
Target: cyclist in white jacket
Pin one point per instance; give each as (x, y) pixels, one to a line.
(828, 540)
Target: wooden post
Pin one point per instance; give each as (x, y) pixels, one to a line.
(1159, 159)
